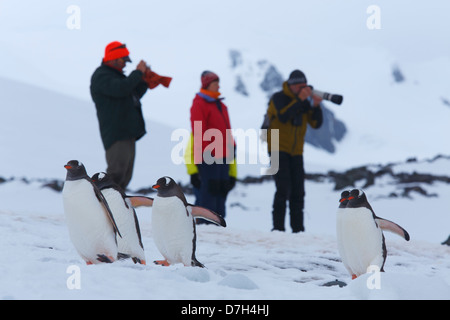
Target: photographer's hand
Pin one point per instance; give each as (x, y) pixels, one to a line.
(316, 100)
(142, 66)
(304, 93)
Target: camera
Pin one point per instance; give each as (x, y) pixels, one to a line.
(335, 98)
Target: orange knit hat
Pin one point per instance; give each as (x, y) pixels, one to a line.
(116, 50)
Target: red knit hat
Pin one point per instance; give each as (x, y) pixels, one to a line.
(116, 50)
(208, 77)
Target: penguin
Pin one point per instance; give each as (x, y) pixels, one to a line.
(173, 224)
(91, 224)
(360, 238)
(130, 244)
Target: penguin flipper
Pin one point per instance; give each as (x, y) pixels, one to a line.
(201, 212)
(101, 198)
(392, 227)
(140, 201)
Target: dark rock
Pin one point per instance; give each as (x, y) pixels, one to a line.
(445, 101)
(56, 185)
(447, 242)
(272, 82)
(420, 178)
(417, 189)
(236, 58)
(240, 87)
(145, 190)
(350, 177)
(335, 283)
(398, 75)
(331, 131)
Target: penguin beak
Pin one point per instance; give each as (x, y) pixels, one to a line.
(67, 167)
(155, 186)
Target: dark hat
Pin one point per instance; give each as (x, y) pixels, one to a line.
(296, 76)
(207, 77)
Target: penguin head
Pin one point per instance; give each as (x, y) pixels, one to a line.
(75, 170)
(164, 183)
(167, 187)
(357, 198)
(102, 180)
(344, 199)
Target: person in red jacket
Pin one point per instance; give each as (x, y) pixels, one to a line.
(214, 146)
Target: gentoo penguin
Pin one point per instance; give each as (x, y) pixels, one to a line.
(92, 228)
(173, 224)
(130, 244)
(359, 233)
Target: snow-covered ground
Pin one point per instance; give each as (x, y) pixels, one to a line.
(47, 119)
(245, 260)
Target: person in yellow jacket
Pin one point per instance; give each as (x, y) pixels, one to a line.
(290, 111)
(192, 170)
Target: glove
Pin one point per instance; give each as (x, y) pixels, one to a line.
(227, 185)
(195, 180)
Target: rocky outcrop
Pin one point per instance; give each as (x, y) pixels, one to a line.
(364, 177)
(407, 183)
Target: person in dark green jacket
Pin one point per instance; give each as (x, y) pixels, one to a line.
(119, 112)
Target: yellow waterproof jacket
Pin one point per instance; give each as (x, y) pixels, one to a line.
(291, 116)
(192, 167)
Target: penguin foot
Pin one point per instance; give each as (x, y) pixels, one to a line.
(354, 276)
(196, 263)
(137, 260)
(105, 259)
(88, 263)
(164, 263)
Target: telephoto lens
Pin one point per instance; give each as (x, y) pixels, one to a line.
(335, 98)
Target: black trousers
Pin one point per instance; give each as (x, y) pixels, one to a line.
(290, 187)
(212, 194)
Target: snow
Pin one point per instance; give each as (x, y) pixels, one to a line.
(47, 119)
(245, 260)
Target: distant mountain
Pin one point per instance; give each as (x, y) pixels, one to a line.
(270, 80)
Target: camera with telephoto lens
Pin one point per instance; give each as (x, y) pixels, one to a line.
(335, 98)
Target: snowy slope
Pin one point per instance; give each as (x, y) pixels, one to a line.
(244, 260)
(42, 130)
(47, 118)
(386, 121)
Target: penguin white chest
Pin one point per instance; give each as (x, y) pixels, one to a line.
(173, 229)
(360, 241)
(124, 216)
(89, 227)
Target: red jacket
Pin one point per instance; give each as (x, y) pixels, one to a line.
(211, 113)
